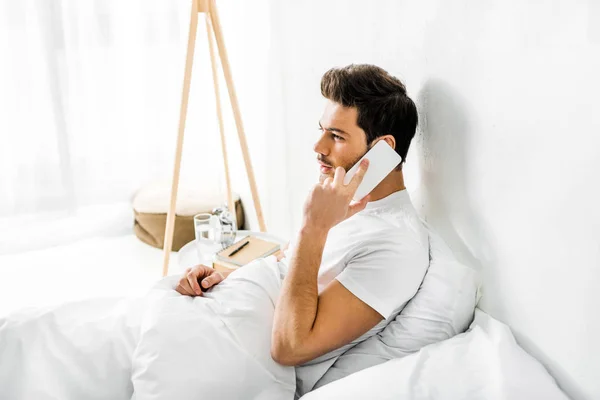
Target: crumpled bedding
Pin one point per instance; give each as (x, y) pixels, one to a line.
(484, 363)
(161, 346)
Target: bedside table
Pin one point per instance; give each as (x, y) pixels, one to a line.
(188, 255)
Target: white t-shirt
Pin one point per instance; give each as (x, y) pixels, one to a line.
(380, 255)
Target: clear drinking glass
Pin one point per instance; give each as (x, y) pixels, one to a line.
(228, 228)
(207, 230)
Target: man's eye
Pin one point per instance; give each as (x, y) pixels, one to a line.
(336, 137)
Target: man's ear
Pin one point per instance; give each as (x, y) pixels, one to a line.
(391, 140)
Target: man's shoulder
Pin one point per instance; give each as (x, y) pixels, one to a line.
(395, 241)
(391, 229)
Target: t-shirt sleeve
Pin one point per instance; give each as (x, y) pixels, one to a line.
(385, 274)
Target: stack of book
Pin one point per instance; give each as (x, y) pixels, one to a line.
(242, 252)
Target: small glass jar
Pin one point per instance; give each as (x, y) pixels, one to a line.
(228, 225)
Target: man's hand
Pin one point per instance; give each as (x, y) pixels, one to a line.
(189, 284)
(330, 203)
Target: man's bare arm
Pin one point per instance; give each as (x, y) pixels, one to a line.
(307, 325)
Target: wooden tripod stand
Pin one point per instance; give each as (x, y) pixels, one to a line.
(213, 26)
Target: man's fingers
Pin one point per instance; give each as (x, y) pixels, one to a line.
(359, 175)
(179, 289)
(192, 278)
(212, 280)
(338, 176)
(184, 289)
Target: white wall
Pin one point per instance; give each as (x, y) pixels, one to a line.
(507, 154)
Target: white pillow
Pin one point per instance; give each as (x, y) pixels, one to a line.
(442, 308)
(484, 363)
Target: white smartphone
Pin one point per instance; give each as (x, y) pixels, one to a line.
(382, 160)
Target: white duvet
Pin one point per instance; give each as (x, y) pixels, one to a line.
(163, 346)
(167, 346)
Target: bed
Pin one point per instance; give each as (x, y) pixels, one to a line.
(101, 331)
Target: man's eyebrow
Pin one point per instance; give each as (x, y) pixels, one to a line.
(332, 129)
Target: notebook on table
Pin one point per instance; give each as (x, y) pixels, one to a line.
(256, 248)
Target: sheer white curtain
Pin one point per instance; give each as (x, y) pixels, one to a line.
(90, 93)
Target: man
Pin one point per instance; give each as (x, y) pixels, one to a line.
(353, 265)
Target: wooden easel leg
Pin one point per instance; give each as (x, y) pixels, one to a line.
(213, 63)
(187, 78)
(236, 111)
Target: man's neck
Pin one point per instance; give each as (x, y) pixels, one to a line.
(394, 182)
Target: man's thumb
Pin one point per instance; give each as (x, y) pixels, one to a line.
(211, 280)
(207, 282)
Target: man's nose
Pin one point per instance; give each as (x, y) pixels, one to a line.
(321, 146)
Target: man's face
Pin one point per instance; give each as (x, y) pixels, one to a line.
(342, 142)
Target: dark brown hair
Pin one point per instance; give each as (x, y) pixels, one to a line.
(383, 106)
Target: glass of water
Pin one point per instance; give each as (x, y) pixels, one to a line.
(208, 242)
